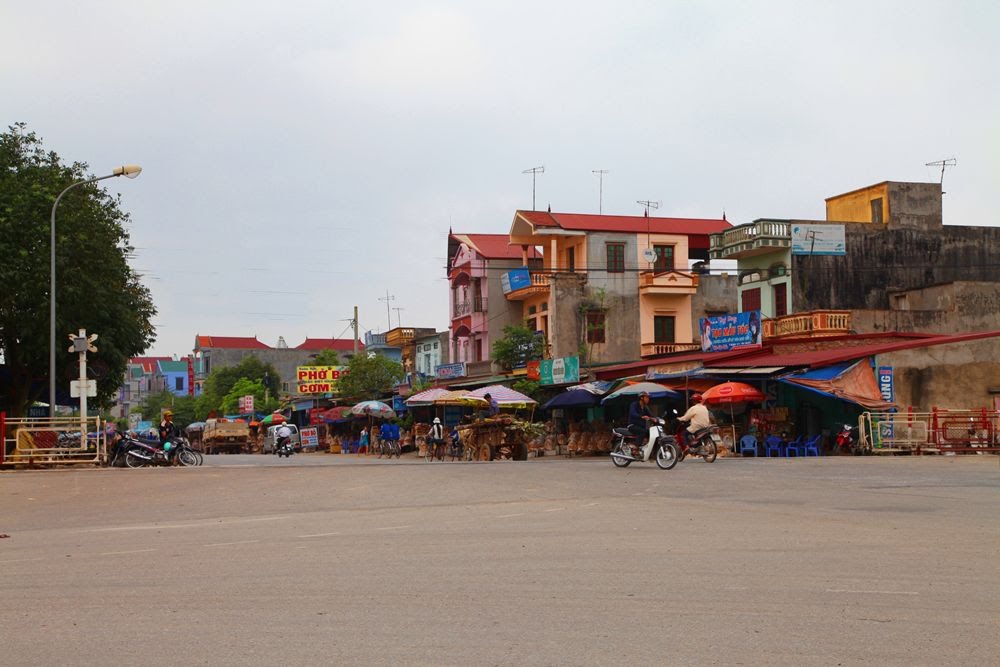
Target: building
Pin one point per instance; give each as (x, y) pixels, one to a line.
(430, 351)
(611, 288)
(882, 261)
(138, 383)
(479, 311)
(172, 376)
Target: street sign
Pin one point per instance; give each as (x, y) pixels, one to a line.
(79, 388)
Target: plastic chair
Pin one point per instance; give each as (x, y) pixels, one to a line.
(811, 445)
(748, 443)
(796, 447)
(772, 443)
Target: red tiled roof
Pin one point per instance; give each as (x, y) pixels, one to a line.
(229, 342)
(495, 246)
(148, 363)
(625, 223)
(338, 344)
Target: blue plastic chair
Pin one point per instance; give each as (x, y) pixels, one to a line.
(748, 443)
(811, 445)
(772, 443)
(796, 447)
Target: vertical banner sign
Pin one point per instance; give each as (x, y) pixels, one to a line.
(190, 375)
(885, 383)
(248, 403)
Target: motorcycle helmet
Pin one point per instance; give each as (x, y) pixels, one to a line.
(437, 420)
(696, 398)
(167, 445)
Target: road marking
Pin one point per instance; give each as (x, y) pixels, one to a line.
(122, 553)
(226, 544)
(556, 509)
(393, 527)
(319, 535)
(591, 504)
(870, 592)
(507, 516)
(20, 560)
(204, 524)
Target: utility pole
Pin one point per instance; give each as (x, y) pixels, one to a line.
(600, 189)
(354, 323)
(387, 298)
(399, 321)
(534, 171)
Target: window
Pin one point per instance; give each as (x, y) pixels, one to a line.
(750, 299)
(595, 326)
(616, 258)
(435, 346)
(877, 210)
(545, 306)
(532, 310)
(571, 259)
(664, 258)
(780, 300)
(179, 384)
(663, 329)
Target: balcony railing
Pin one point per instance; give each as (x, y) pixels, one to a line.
(655, 349)
(668, 282)
(812, 324)
(474, 305)
(539, 285)
(751, 238)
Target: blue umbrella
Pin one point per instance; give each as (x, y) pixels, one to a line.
(653, 389)
(574, 398)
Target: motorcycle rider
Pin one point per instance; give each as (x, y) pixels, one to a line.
(167, 433)
(283, 434)
(638, 416)
(696, 417)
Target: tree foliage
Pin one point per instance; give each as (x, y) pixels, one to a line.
(220, 382)
(518, 346)
(242, 387)
(370, 377)
(96, 289)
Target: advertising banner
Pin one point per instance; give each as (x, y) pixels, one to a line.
(514, 280)
(885, 384)
(448, 371)
(534, 370)
(309, 438)
(318, 379)
(559, 371)
(190, 374)
(246, 403)
(738, 331)
(818, 240)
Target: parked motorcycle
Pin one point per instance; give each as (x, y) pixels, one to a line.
(848, 442)
(625, 446)
(176, 451)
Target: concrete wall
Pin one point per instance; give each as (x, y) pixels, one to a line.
(915, 205)
(946, 376)
(946, 309)
(855, 206)
(717, 294)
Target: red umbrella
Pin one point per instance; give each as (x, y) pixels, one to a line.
(731, 392)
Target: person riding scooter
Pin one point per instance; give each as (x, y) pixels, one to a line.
(283, 435)
(638, 418)
(696, 417)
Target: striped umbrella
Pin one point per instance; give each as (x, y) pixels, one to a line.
(502, 395)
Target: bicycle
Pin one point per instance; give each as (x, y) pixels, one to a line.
(435, 450)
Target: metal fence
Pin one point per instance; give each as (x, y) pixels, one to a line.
(937, 432)
(51, 441)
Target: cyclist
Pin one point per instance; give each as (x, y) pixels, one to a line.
(435, 439)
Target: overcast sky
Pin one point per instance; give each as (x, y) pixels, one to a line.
(302, 158)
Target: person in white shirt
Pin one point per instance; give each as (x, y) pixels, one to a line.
(282, 434)
(696, 417)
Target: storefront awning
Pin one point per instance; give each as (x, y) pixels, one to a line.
(854, 383)
(760, 371)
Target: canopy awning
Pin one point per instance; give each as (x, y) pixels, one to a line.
(854, 383)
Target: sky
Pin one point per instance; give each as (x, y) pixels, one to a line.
(303, 158)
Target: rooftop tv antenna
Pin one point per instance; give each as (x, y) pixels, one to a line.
(948, 162)
(534, 171)
(600, 192)
(648, 205)
(398, 320)
(387, 298)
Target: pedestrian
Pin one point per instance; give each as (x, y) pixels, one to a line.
(363, 441)
(385, 435)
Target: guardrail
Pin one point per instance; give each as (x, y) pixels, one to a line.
(940, 431)
(51, 441)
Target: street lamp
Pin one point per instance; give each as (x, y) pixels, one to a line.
(129, 170)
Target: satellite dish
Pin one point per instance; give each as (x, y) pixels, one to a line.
(649, 254)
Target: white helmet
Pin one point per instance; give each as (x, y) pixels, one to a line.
(437, 420)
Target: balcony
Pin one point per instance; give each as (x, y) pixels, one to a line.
(657, 349)
(667, 282)
(815, 324)
(539, 284)
(474, 305)
(755, 238)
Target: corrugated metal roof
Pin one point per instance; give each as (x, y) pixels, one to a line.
(338, 344)
(229, 342)
(626, 223)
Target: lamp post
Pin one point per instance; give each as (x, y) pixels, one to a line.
(129, 170)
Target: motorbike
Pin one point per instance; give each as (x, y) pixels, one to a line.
(847, 441)
(625, 446)
(175, 451)
(704, 443)
(284, 448)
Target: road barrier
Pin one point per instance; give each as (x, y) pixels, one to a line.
(940, 431)
(49, 441)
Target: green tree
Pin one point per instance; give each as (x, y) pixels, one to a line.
(518, 346)
(325, 358)
(220, 381)
(96, 288)
(243, 387)
(370, 377)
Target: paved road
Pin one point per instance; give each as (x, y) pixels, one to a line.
(336, 560)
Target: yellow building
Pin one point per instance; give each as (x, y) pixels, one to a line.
(869, 204)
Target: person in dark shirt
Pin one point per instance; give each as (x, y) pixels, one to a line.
(638, 415)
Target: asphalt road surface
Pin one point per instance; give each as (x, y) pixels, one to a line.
(341, 560)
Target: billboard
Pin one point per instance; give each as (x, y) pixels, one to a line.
(514, 280)
(559, 371)
(818, 239)
(318, 379)
(737, 331)
(446, 371)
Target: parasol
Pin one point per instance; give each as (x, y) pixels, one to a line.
(731, 392)
(374, 409)
(573, 398)
(655, 390)
(504, 396)
(337, 414)
(274, 418)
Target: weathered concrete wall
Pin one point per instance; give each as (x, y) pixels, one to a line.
(951, 308)
(565, 321)
(717, 294)
(915, 205)
(946, 376)
(879, 260)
